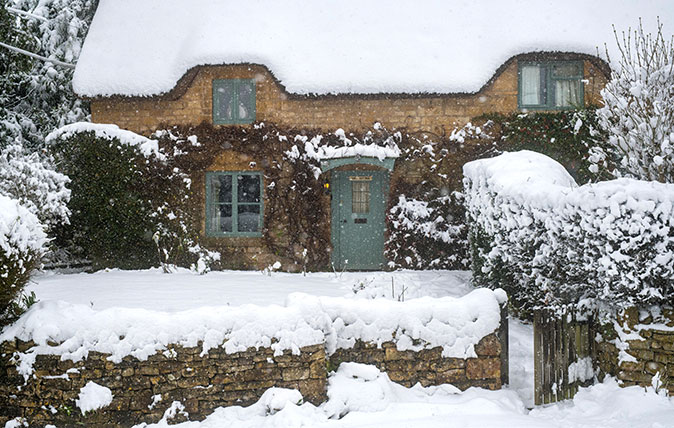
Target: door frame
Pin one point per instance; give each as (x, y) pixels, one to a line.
(356, 163)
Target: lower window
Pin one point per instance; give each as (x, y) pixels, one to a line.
(234, 204)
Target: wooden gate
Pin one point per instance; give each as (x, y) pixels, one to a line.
(563, 349)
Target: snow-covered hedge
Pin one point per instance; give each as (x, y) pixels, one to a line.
(548, 242)
(128, 200)
(72, 331)
(22, 241)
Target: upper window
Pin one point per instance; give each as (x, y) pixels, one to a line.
(234, 204)
(553, 85)
(233, 101)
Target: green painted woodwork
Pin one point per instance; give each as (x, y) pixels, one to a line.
(549, 80)
(233, 101)
(328, 164)
(234, 203)
(358, 237)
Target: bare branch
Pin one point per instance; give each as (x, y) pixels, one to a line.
(26, 14)
(36, 56)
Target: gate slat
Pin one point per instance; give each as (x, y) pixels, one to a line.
(559, 341)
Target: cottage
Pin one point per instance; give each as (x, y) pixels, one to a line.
(327, 66)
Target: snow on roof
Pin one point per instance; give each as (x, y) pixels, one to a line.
(143, 47)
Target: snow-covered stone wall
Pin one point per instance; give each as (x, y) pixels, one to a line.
(637, 347)
(216, 356)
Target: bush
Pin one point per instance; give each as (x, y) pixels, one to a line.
(127, 200)
(549, 243)
(427, 234)
(111, 222)
(638, 112)
(30, 179)
(569, 137)
(22, 242)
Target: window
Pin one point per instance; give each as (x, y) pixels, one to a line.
(234, 204)
(360, 195)
(233, 101)
(554, 85)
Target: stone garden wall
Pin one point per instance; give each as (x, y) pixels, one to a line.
(146, 363)
(199, 383)
(428, 367)
(143, 390)
(637, 347)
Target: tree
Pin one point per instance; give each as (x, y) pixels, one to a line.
(36, 95)
(638, 112)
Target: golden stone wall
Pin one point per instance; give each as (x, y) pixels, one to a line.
(191, 103)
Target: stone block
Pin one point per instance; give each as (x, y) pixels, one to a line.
(296, 373)
(392, 354)
(146, 369)
(632, 366)
(652, 367)
(483, 368)
(639, 344)
(447, 364)
(450, 376)
(638, 377)
(488, 346)
(191, 382)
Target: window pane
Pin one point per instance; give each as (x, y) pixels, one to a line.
(221, 218)
(249, 218)
(567, 93)
(246, 105)
(248, 188)
(224, 101)
(531, 79)
(360, 194)
(221, 189)
(566, 70)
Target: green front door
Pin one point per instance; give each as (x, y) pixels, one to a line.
(358, 219)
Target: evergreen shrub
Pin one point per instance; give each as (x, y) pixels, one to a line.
(550, 243)
(126, 201)
(22, 243)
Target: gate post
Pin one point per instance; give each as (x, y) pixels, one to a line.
(505, 341)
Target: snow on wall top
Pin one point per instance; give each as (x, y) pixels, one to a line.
(455, 324)
(143, 47)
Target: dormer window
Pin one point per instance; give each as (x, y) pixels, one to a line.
(552, 85)
(233, 101)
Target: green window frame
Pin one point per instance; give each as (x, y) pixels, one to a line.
(234, 208)
(233, 101)
(550, 85)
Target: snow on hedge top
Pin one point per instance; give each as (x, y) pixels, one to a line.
(455, 324)
(143, 47)
(527, 173)
(108, 131)
(538, 180)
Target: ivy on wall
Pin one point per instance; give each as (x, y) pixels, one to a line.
(131, 212)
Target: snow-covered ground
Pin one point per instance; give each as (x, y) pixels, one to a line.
(361, 394)
(183, 290)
